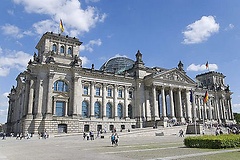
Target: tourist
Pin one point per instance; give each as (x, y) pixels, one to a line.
(116, 139)
(113, 139)
(3, 136)
(84, 135)
(181, 133)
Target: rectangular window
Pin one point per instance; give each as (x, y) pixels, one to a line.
(60, 108)
(119, 93)
(130, 94)
(98, 90)
(109, 92)
(85, 90)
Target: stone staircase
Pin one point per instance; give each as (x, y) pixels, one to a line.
(149, 131)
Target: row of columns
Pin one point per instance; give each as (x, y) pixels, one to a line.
(218, 109)
(222, 109)
(175, 103)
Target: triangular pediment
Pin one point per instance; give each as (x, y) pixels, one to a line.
(173, 75)
(61, 95)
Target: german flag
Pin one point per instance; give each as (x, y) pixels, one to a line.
(61, 26)
(205, 97)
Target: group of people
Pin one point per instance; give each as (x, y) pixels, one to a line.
(89, 136)
(114, 138)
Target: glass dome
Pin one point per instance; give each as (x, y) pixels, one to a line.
(117, 65)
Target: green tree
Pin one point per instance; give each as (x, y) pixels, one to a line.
(237, 117)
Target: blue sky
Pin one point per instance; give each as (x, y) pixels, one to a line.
(165, 31)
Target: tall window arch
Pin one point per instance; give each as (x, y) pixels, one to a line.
(69, 51)
(85, 109)
(109, 110)
(62, 49)
(97, 110)
(60, 86)
(130, 111)
(54, 48)
(120, 110)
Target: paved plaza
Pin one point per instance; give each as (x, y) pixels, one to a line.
(132, 146)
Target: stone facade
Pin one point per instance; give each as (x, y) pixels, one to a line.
(57, 94)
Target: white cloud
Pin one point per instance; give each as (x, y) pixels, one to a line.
(85, 61)
(42, 27)
(3, 112)
(3, 107)
(89, 46)
(75, 19)
(11, 12)
(229, 27)
(11, 30)
(94, 1)
(236, 108)
(14, 31)
(4, 100)
(119, 55)
(202, 67)
(200, 30)
(13, 60)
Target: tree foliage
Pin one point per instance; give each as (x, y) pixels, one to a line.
(237, 117)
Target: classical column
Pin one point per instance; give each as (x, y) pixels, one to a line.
(115, 101)
(30, 99)
(205, 110)
(54, 108)
(164, 113)
(147, 105)
(218, 109)
(210, 109)
(104, 87)
(188, 105)
(172, 103)
(76, 96)
(39, 99)
(182, 119)
(223, 108)
(155, 106)
(66, 109)
(125, 110)
(204, 113)
(92, 99)
(230, 109)
(49, 96)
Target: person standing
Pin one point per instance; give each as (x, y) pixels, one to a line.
(113, 139)
(116, 139)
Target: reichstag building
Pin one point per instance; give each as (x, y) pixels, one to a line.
(56, 94)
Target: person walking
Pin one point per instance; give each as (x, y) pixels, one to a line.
(113, 139)
(116, 139)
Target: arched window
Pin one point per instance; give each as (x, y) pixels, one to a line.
(85, 109)
(69, 50)
(60, 86)
(130, 113)
(62, 49)
(119, 110)
(97, 110)
(120, 93)
(54, 48)
(109, 110)
(85, 90)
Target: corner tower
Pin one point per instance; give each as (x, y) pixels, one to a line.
(57, 48)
